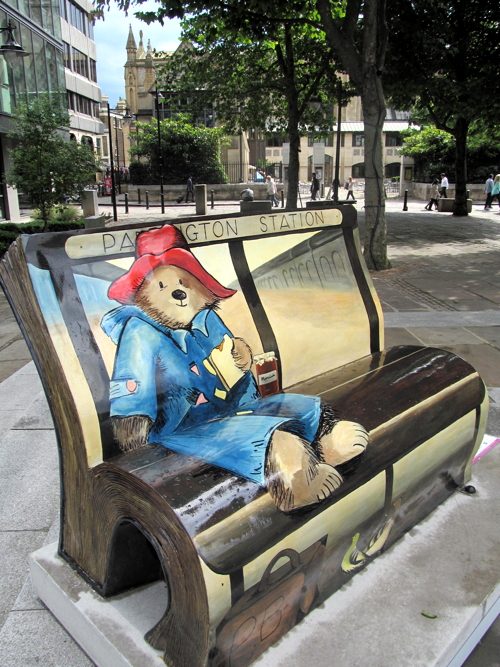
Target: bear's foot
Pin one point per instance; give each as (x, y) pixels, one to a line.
(345, 441)
(295, 476)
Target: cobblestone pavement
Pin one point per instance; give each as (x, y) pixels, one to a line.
(443, 290)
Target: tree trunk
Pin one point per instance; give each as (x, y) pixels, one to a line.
(460, 203)
(373, 103)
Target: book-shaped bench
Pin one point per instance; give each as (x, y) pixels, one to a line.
(179, 448)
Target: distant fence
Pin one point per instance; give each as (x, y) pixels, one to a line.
(243, 172)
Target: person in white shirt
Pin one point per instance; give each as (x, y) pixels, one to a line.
(444, 186)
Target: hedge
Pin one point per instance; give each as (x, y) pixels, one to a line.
(9, 231)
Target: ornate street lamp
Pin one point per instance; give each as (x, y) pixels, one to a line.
(11, 50)
(156, 95)
(127, 118)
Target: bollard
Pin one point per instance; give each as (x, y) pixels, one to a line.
(139, 196)
(212, 205)
(322, 196)
(468, 194)
(147, 199)
(126, 202)
(282, 199)
(162, 203)
(405, 205)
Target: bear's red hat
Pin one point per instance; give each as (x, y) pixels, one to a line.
(160, 247)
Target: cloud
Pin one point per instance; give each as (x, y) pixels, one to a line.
(111, 36)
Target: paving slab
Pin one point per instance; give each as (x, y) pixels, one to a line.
(435, 337)
(36, 639)
(400, 336)
(489, 334)
(37, 418)
(15, 547)
(29, 480)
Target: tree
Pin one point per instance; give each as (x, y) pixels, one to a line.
(434, 151)
(187, 150)
(45, 164)
(356, 32)
(445, 64)
(258, 74)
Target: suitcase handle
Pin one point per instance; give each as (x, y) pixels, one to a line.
(294, 559)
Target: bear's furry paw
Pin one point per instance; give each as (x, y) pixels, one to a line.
(242, 354)
(345, 441)
(131, 432)
(295, 478)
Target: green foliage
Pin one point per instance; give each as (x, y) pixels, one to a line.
(60, 213)
(434, 152)
(47, 166)
(445, 65)
(186, 150)
(9, 231)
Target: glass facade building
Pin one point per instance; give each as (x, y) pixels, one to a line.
(37, 29)
(58, 37)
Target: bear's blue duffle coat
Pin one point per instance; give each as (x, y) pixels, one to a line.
(159, 373)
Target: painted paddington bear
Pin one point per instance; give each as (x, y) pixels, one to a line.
(183, 380)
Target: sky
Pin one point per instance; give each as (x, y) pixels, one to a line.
(111, 37)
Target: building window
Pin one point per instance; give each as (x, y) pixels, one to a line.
(80, 63)
(275, 141)
(358, 139)
(83, 105)
(358, 170)
(311, 140)
(78, 18)
(62, 10)
(105, 145)
(329, 140)
(98, 146)
(66, 55)
(392, 169)
(393, 139)
(93, 70)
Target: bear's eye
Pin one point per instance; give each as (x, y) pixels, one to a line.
(180, 282)
(160, 284)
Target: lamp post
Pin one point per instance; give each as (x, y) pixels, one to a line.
(113, 191)
(126, 118)
(160, 154)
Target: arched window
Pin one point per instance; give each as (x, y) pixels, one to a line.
(358, 170)
(392, 169)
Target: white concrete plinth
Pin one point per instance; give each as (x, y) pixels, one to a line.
(446, 568)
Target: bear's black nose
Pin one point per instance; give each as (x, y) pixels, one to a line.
(179, 295)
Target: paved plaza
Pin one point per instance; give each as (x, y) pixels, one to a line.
(443, 290)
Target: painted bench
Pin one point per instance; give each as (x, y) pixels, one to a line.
(240, 571)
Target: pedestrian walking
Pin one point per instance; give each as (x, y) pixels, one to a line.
(314, 185)
(271, 191)
(488, 187)
(495, 192)
(444, 186)
(190, 190)
(350, 188)
(433, 201)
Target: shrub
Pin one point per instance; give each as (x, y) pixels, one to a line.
(9, 231)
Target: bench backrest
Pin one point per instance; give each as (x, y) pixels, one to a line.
(303, 291)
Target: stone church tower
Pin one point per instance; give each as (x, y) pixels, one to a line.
(140, 75)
